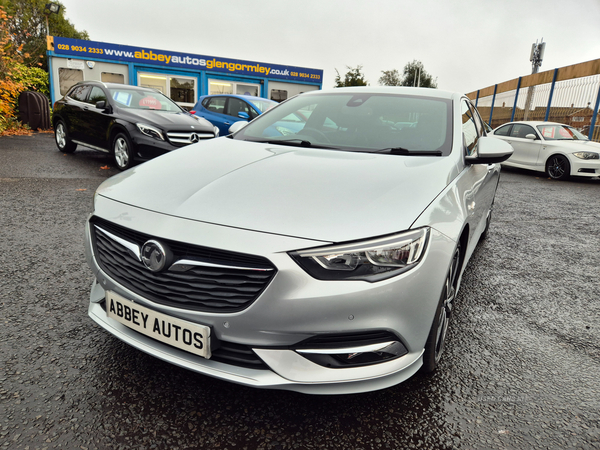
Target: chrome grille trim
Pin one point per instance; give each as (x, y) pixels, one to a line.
(185, 137)
(209, 280)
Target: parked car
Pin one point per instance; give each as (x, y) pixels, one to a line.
(325, 261)
(557, 149)
(223, 110)
(132, 123)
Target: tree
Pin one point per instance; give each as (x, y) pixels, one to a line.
(27, 28)
(390, 78)
(416, 75)
(354, 77)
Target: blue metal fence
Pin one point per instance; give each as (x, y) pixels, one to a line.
(568, 95)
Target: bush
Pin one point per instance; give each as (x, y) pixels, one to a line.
(15, 77)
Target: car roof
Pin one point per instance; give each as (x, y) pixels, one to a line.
(534, 123)
(403, 90)
(246, 97)
(116, 85)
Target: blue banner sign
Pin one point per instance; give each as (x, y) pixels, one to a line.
(126, 53)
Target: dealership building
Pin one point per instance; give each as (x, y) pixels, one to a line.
(181, 76)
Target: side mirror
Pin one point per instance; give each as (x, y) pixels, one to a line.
(490, 150)
(101, 104)
(237, 126)
(531, 136)
(244, 115)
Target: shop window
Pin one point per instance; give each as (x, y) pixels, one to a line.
(216, 87)
(67, 78)
(108, 77)
(182, 90)
(158, 82)
(246, 89)
(278, 95)
(219, 87)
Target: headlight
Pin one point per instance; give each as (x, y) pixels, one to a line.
(216, 130)
(150, 131)
(586, 155)
(371, 260)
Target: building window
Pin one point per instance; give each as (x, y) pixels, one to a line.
(108, 77)
(278, 95)
(67, 78)
(216, 87)
(181, 90)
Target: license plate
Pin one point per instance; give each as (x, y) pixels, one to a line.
(188, 336)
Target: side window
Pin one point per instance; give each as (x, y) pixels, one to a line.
(503, 131)
(79, 93)
(96, 95)
(478, 121)
(469, 128)
(236, 106)
(217, 105)
(520, 131)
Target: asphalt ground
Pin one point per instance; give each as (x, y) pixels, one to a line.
(521, 368)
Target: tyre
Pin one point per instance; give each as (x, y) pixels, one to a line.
(122, 151)
(439, 329)
(61, 137)
(558, 167)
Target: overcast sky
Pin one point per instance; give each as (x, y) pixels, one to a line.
(465, 44)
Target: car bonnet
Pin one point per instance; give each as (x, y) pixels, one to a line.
(331, 196)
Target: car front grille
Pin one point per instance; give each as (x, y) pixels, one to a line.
(211, 280)
(186, 137)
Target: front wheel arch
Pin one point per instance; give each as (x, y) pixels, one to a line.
(558, 167)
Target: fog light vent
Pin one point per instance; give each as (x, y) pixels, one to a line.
(343, 351)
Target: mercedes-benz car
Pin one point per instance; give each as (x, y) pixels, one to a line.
(131, 123)
(323, 260)
(557, 149)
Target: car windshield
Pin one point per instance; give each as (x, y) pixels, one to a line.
(560, 133)
(138, 99)
(263, 104)
(368, 122)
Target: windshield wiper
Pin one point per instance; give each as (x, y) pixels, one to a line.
(405, 151)
(294, 143)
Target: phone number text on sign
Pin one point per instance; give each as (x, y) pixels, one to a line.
(77, 48)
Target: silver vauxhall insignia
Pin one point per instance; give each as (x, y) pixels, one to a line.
(318, 249)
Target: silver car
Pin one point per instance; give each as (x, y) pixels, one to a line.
(318, 249)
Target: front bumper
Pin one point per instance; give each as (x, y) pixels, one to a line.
(293, 308)
(584, 167)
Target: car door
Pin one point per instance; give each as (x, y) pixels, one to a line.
(73, 111)
(482, 178)
(214, 112)
(97, 120)
(526, 151)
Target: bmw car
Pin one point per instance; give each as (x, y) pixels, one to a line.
(554, 148)
(129, 122)
(323, 261)
(223, 110)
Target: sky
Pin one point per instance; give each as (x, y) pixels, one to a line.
(466, 44)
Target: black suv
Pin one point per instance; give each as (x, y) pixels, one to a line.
(130, 122)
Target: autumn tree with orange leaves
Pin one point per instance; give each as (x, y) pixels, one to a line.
(11, 76)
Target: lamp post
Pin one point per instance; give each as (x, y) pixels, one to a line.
(51, 8)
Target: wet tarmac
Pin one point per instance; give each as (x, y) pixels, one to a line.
(521, 368)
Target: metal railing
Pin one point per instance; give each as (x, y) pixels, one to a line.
(569, 95)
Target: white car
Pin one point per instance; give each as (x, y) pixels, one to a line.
(557, 149)
(320, 254)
